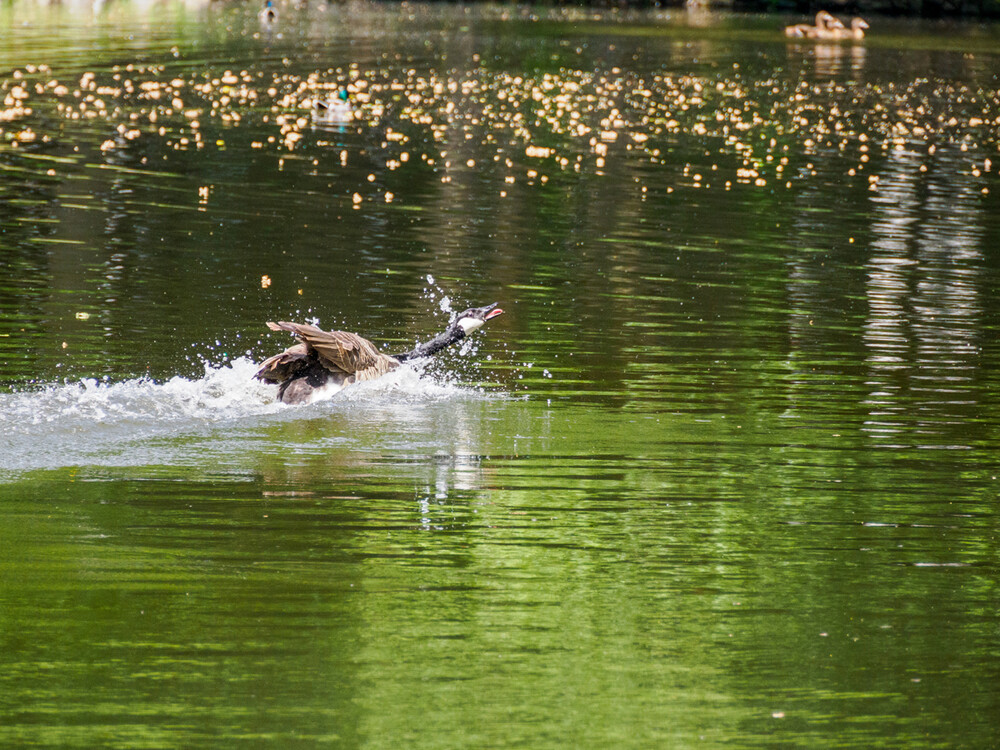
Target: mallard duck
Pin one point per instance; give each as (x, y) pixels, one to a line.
(336, 111)
(331, 360)
(268, 13)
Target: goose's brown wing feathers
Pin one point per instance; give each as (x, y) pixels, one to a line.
(281, 367)
(340, 351)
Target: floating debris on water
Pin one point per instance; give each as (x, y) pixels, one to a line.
(755, 131)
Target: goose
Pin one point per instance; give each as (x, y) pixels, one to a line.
(825, 23)
(268, 14)
(326, 361)
(335, 111)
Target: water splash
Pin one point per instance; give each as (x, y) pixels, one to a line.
(142, 422)
(435, 294)
(223, 392)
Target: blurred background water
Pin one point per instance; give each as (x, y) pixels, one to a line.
(723, 474)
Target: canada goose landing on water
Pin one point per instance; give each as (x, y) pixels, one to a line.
(334, 359)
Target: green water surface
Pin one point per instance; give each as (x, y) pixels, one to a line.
(724, 474)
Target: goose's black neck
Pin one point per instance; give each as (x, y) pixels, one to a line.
(443, 340)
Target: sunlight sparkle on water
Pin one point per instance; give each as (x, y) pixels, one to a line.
(757, 133)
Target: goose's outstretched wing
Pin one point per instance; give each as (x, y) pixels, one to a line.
(340, 351)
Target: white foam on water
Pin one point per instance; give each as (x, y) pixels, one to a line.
(223, 392)
(104, 423)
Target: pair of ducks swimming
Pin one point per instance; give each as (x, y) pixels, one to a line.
(828, 28)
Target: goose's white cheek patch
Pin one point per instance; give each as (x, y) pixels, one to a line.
(470, 324)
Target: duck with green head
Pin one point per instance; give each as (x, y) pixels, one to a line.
(334, 111)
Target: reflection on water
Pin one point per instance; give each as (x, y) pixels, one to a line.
(831, 59)
(724, 472)
(925, 318)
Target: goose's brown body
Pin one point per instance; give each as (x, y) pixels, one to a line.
(322, 359)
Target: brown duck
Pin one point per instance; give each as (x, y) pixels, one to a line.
(334, 359)
(826, 24)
